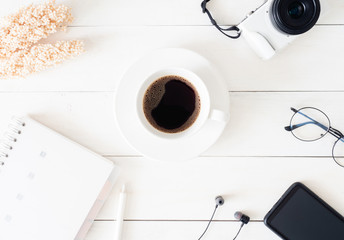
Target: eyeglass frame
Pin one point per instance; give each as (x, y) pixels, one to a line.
(334, 132)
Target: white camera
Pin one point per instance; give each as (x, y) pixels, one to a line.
(277, 23)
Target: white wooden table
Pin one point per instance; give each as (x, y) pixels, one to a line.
(254, 161)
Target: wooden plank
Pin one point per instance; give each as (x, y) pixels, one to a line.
(186, 191)
(311, 63)
(157, 12)
(180, 230)
(256, 127)
(86, 116)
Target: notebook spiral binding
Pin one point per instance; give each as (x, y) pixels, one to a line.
(14, 130)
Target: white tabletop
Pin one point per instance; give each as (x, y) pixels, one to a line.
(253, 162)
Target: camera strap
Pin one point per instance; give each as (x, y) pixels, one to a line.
(236, 31)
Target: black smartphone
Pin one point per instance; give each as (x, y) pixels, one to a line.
(301, 215)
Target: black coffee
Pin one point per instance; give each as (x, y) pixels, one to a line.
(171, 104)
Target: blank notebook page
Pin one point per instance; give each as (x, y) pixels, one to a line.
(48, 185)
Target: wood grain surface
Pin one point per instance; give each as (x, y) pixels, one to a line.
(254, 161)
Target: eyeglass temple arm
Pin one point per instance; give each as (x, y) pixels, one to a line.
(293, 127)
(290, 128)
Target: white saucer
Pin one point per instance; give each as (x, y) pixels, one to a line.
(155, 147)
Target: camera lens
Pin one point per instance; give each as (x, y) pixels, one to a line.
(296, 10)
(295, 16)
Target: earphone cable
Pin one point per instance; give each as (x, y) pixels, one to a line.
(238, 231)
(211, 219)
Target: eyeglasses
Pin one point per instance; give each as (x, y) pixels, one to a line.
(310, 124)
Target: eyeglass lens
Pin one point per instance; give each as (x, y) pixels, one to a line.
(338, 152)
(309, 124)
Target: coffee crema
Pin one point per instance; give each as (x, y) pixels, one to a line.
(171, 104)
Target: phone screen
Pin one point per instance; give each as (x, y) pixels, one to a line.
(302, 215)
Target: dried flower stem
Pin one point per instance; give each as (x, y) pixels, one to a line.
(19, 56)
(39, 57)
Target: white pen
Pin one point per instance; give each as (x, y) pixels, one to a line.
(120, 213)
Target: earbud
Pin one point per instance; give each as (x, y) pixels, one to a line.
(238, 215)
(242, 217)
(219, 201)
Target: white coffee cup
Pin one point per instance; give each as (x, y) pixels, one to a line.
(206, 110)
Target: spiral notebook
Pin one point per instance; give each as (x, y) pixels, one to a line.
(50, 187)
